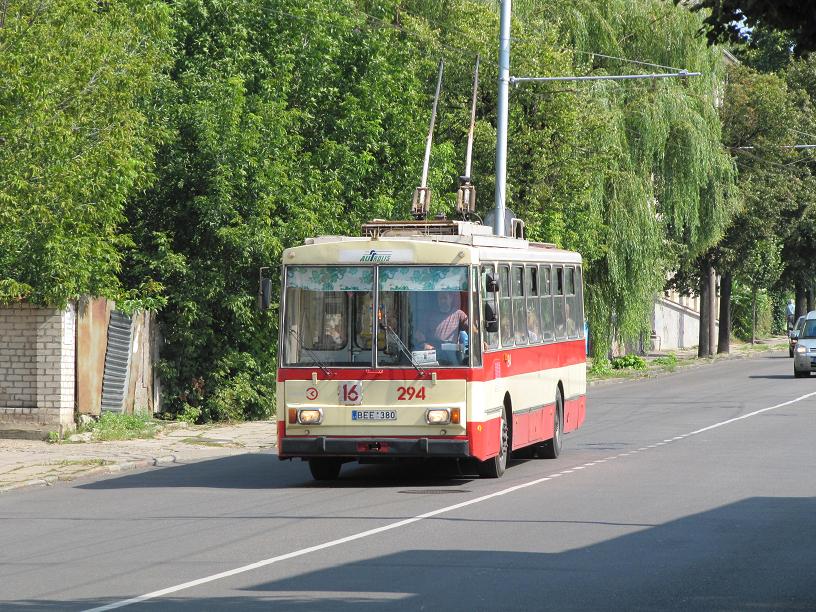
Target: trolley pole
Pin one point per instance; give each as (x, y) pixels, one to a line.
(502, 118)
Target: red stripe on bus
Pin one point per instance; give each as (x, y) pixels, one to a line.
(496, 364)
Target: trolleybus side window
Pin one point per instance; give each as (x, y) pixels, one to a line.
(579, 301)
(519, 306)
(547, 327)
(559, 305)
(489, 307)
(505, 307)
(571, 298)
(533, 306)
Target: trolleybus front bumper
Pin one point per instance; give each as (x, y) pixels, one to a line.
(323, 446)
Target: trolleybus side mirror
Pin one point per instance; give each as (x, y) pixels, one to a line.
(491, 322)
(266, 293)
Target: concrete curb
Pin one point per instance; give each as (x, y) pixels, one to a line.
(656, 373)
(102, 470)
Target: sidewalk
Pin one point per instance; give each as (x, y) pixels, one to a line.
(26, 463)
(687, 358)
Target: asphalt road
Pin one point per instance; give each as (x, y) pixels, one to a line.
(694, 491)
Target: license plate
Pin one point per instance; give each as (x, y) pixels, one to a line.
(373, 415)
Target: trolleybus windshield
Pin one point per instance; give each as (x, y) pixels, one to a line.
(422, 316)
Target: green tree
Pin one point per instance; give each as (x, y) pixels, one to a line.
(733, 20)
(77, 139)
(660, 189)
(289, 119)
(760, 269)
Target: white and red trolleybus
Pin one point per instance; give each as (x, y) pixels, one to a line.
(428, 339)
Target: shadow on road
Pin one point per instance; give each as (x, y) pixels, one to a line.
(753, 554)
(773, 376)
(266, 471)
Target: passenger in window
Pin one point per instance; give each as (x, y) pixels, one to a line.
(333, 331)
(533, 326)
(443, 324)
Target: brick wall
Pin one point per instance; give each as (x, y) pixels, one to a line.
(37, 365)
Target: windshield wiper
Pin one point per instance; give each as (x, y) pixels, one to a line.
(309, 352)
(403, 348)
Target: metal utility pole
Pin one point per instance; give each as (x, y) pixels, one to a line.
(502, 118)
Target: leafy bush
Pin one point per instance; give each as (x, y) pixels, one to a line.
(600, 367)
(635, 362)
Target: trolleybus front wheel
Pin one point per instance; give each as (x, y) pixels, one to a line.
(495, 466)
(324, 468)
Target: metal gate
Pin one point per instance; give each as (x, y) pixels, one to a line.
(117, 362)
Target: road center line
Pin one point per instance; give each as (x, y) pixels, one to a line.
(371, 532)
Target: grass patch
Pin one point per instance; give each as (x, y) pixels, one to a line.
(115, 426)
(667, 362)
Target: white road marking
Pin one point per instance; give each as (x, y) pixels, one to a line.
(371, 532)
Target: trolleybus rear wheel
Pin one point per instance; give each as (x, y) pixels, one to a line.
(495, 466)
(325, 468)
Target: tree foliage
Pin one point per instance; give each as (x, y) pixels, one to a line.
(76, 139)
(733, 20)
(660, 182)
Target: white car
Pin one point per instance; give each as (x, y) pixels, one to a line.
(804, 355)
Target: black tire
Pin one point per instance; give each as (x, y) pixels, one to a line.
(494, 467)
(801, 373)
(325, 469)
(552, 447)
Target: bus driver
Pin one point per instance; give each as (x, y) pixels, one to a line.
(443, 324)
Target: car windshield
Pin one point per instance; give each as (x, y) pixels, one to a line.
(422, 316)
(809, 329)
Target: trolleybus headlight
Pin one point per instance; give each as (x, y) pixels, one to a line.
(310, 417)
(801, 349)
(438, 416)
